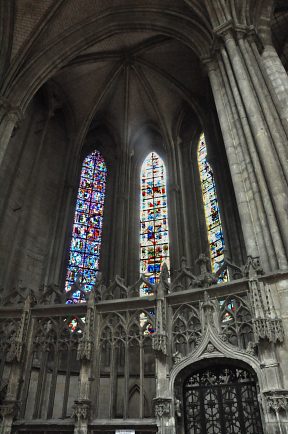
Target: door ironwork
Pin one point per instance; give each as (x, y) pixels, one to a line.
(221, 400)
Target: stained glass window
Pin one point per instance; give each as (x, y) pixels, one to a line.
(211, 207)
(154, 242)
(87, 229)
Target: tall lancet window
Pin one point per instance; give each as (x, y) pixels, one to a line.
(211, 208)
(154, 241)
(87, 229)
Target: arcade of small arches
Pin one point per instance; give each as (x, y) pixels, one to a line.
(143, 217)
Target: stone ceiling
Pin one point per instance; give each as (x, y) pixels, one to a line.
(138, 78)
(124, 62)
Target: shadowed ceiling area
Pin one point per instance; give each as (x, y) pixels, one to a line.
(133, 79)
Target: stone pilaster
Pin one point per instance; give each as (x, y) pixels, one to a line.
(162, 402)
(81, 408)
(163, 414)
(15, 355)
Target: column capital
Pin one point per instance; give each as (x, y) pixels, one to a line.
(209, 63)
(13, 113)
(252, 36)
(225, 30)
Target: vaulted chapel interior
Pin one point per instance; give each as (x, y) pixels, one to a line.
(143, 216)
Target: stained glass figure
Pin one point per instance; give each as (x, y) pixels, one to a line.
(211, 208)
(87, 228)
(154, 242)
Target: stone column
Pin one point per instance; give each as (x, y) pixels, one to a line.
(278, 76)
(26, 221)
(122, 211)
(184, 202)
(261, 208)
(81, 408)
(270, 114)
(268, 334)
(263, 143)
(235, 169)
(261, 134)
(173, 192)
(163, 403)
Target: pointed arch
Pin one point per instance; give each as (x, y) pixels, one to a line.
(154, 238)
(87, 228)
(211, 207)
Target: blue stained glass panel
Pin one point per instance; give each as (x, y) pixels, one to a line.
(211, 208)
(154, 242)
(88, 221)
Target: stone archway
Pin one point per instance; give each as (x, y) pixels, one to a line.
(217, 397)
(221, 399)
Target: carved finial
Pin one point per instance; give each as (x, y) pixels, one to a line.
(164, 275)
(253, 267)
(183, 263)
(99, 278)
(206, 297)
(91, 299)
(203, 261)
(178, 408)
(208, 309)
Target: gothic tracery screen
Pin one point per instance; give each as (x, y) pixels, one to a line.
(87, 228)
(211, 207)
(154, 242)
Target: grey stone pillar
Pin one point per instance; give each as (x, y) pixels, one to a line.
(273, 122)
(163, 403)
(82, 406)
(268, 334)
(278, 76)
(28, 203)
(175, 215)
(235, 169)
(264, 145)
(173, 192)
(186, 200)
(261, 208)
(122, 212)
(255, 121)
